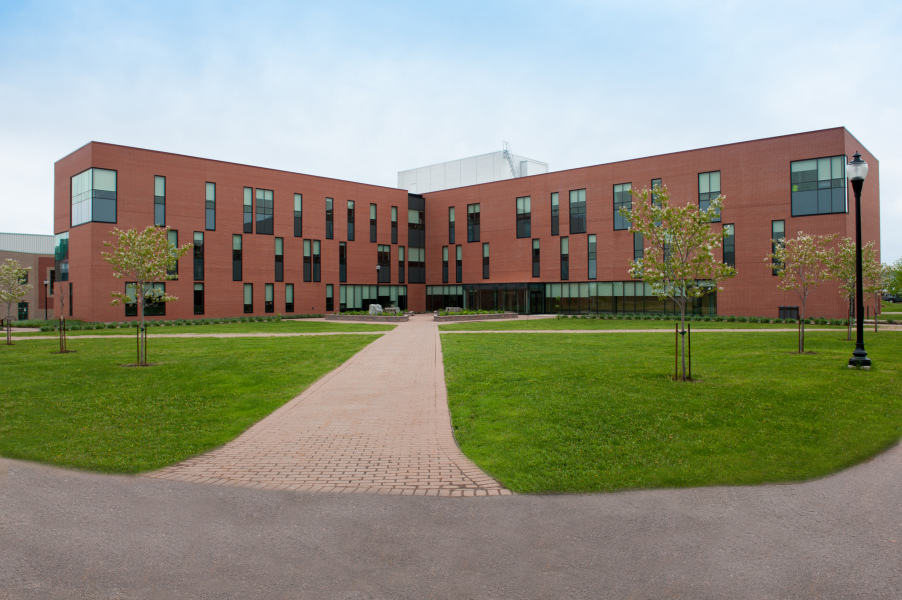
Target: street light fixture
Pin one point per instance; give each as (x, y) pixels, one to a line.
(856, 171)
(46, 296)
(377, 284)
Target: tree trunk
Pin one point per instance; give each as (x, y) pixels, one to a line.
(849, 332)
(683, 336)
(142, 332)
(802, 329)
(9, 331)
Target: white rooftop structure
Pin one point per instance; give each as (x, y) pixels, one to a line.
(484, 168)
(28, 243)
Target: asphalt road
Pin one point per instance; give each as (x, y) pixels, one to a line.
(68, 534)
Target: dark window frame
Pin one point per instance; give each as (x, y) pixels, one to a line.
(237, 258)
(159, 201)
(555, 213)
(578, 211)
(279, 248)
(536, 258)
(299, 215)
(248, 210)
(729, 245)
(330, 218)
(473, 211)
(209, 206)
(801, 186)
(622, 199)
(198, 256)
(524, 217)
(704, 198)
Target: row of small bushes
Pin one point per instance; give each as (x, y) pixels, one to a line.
(446, 313)
(79, 326)
(705, 318)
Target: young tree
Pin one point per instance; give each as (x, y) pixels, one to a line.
(802, 264)
(62, 297)
(12, 289)
(875, 277)
(678, 258)
(894, 278)
(842, 268)
(143, 258)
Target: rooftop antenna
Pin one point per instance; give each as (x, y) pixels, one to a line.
(515, 172)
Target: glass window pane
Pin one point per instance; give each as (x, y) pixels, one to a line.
(803, 165)
(159, 186)
(837, 172)
(823, 169)
(104, 180)
(211, 192)
(703, 182)
(715, 182)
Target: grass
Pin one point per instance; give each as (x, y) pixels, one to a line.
(262, 327)
(84, 410)
(576, 413)
(571, 324)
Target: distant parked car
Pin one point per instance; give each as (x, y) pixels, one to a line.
(889, 298)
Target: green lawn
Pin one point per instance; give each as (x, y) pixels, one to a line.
(262, 327)
(577, 413)
(85, 410)
(564, 324)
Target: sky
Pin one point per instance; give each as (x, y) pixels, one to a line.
(362, 90)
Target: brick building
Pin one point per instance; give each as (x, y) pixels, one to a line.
(289, 243)
(36, 252)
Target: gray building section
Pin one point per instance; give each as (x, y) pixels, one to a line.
(27, 243)
(467, 171)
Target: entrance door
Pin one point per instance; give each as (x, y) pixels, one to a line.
(536, 302)
(23, 311)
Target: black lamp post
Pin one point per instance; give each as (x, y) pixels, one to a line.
(856, 171)
(46, 296)
(377, 284)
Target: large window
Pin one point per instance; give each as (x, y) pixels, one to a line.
(524, 217)
(565, 258)
(280, 258)
(536, 265)
(729, 245)
(298, 215)
(593, 257)
(308, 262)
(248, 297)
(61, 255)
(459, 265)
(210, 207)
(622, 199)
(350, 220)
(394, 224)
(151, 308)
(555, 214)
(342, 262)
(708, 189)
(330, 221)
(330, 299)
(264, 212)
(777, 233)
(373, 223)
(94, 197)
(401, 264)
(444, 264)
(198, 255)
(236, 258)
(578, 211)
(638, 246)
(472, 222)
(416, 265)
(485, 261)
(416, 223)
(289, 298)
(451, 225)
(818, 186)
(173, 237)
(383, 259)
(269, 304)
(248, 210)
(198, 298)
(159, 201)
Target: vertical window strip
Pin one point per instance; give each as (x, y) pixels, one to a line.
(298, 215)
(159, 201)
(536, 265)
(622, 199)
(555, 214)
(593, 257)
(210, 206)
(248, 210)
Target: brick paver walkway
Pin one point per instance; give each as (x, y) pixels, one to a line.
(378, 424)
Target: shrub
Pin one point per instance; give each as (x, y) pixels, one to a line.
(112, 325)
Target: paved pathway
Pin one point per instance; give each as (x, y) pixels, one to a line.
(378, 424)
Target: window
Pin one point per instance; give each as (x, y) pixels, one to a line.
(708, 189)
(400, 264)
(342, 262)
(173, 237)
(159, 201)
(308, 261)
(383, 258)
(472, 222)
(459, 265)
(61, 255)
(593, 257)
(565, 258)
(394, 224)
(485, 261)
(316, 261)
(416, 265)
(350, 220)
(622, 199)
(23, 311)
(210, 207)
(578, 211)
(536, 266)
(248, 210)
(555, 214)
(330, 301)
(416, 227)
(264, 211)
(198, 298)
(199, 256)
(289, 298)
(280, 265)
(93, 197)
(655, 185)
(444, 264)
(818, 186)
(52, 282)
(248, 297)
(373, 223)
(451, 225)
(236, 258)
(151, 308)
(524, 217)
(729, 245)
(298, 215)
(638, 246)
(330, 221)
(777, 233)
(268, 304)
